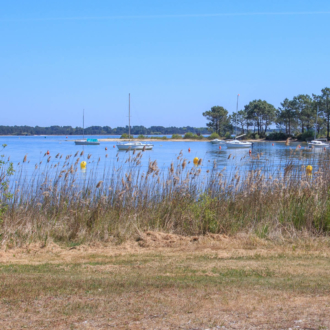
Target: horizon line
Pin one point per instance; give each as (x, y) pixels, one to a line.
(163, 16)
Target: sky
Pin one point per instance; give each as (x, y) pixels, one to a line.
(177, 59)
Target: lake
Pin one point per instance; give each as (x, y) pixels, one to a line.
(274, 156)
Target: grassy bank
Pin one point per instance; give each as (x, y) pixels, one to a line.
(214, 283)
(58, 204)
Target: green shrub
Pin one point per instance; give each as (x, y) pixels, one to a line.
(193, 136)
(307, 135)
(256, 136)
(164, 137)
(189, 135)
(141, 136)
(277, 136)
(214, 135)
(176, 136)
(228, 135)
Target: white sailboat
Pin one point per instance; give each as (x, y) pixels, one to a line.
(217, 141)
(132, 145)
(317, 143)
(237, 143)
(86, 142)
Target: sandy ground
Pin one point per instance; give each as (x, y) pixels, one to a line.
(164, 281)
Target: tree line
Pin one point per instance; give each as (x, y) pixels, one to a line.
(295, 116)
(98, 130)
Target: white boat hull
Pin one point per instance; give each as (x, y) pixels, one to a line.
(86, 143)
(135, 146)
(216, 141)
(311, 145)
(238, 144)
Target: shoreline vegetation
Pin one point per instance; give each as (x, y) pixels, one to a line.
(58, 204)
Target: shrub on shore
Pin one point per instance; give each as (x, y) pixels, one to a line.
(176, 136)
(278, 136)
(126, 136)
(214, 135)
(192, 136)
(307, 135)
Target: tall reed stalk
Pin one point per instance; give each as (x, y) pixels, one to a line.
(62, 203)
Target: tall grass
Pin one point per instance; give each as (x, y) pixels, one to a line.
(60, 202)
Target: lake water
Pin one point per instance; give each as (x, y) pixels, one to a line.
(273, 156)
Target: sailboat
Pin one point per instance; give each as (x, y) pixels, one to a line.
(86, 142)
(132, 145)
(237, 143)
(317, 143)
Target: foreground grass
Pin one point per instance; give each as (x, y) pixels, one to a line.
(193, 286)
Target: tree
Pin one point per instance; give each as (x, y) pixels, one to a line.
(287, 114)
(305, 111)
(218, 119)
(242, 119)
(261, 113)
(323, 101)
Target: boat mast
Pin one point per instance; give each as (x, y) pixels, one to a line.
(129, 117)
(83, 123)
(236, 116)
(317, 110)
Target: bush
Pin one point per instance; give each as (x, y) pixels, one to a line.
(228, 135)
(176, 136)
(308, 135)
(124, 136)
(214, 135)
(189, 136)
(277, 136)
(192, 136)
(256, 136)
(141, 136)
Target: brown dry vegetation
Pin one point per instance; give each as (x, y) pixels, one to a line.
(58, 203)
(166, 281)
(179, 248)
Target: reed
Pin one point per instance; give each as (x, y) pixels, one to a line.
(59, 202)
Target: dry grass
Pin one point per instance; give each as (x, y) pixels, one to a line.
(206, 282)
(59, 203)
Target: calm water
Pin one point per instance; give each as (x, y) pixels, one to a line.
(274, 157)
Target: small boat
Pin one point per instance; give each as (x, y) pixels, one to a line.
(132, 145)
(217, 141)
(86, 142)
(238, 144)
(231, 144)
(317, 143)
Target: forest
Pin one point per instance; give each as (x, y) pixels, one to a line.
(99, 130)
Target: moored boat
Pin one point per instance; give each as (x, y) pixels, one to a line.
(132, 145)
(217, 141)
(86, 142)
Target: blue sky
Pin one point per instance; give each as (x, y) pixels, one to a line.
(176, 58)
